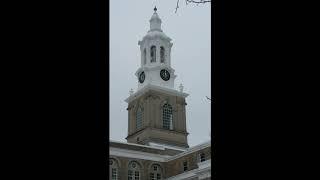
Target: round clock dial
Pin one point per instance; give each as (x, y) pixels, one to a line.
(165, 75)
(141, 77)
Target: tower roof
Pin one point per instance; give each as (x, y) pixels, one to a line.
(155, 21)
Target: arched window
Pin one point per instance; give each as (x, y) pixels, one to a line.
(134, 171)
(113, 169)
(144, 56)
(167, 117)
(162, 54)
(155, 172)
(139, 118)
(153, 53)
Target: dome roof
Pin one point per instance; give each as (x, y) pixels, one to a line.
(155, 34)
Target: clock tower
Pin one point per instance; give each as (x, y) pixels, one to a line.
(156, 111)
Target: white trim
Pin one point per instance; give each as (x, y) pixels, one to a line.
(137, 154)
(166, 146)
(157, 88)
(132, 144)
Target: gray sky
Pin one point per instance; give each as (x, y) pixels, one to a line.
(190, 31)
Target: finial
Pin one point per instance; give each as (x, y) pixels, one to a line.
(181, 88)
(155, 9)
(131, 92)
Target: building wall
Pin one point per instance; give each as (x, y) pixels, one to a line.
(175, 166)
(151, 103)
(170, 168)
(145, 167)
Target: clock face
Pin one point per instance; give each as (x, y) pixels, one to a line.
(164, 74)
(141, 77)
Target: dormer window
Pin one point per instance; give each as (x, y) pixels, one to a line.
(153, 53)
(162, 54)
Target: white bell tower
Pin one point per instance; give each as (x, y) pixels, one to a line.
(155, 47)
(156, 111)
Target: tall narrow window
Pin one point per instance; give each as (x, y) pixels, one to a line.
(202, 157)
(153, 53)
(162, 54)
(144, 56)
(185, 166)
(139, 118)
(167, 117)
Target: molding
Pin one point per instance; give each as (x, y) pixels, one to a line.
(166, 146)
(148, 87)
(137, 154)
(133, 144)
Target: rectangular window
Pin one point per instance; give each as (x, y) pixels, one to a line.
(185, 166)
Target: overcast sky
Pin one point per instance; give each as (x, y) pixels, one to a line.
(190, 31)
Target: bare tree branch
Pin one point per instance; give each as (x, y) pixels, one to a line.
(177, 6)
(192, 1)
(198, 2)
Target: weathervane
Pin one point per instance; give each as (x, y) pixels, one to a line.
(155, 9)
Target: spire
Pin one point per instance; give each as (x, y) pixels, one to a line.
(155, 21)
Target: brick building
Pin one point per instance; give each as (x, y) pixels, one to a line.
(157, 146)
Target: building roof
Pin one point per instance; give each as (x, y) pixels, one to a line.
(161, 153)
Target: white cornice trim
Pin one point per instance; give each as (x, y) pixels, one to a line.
(156, 88)
(132, 144)
(166, 146)
(137, 154)
(154, 67)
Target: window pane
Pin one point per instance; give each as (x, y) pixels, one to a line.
(144, 56)
(185, 166)
(114, 174)
(139, 118)
(153, 54)
(152, 176)
(202, 157)
(129, 175)
(137, 175)
(162, 54)
(158, 176)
